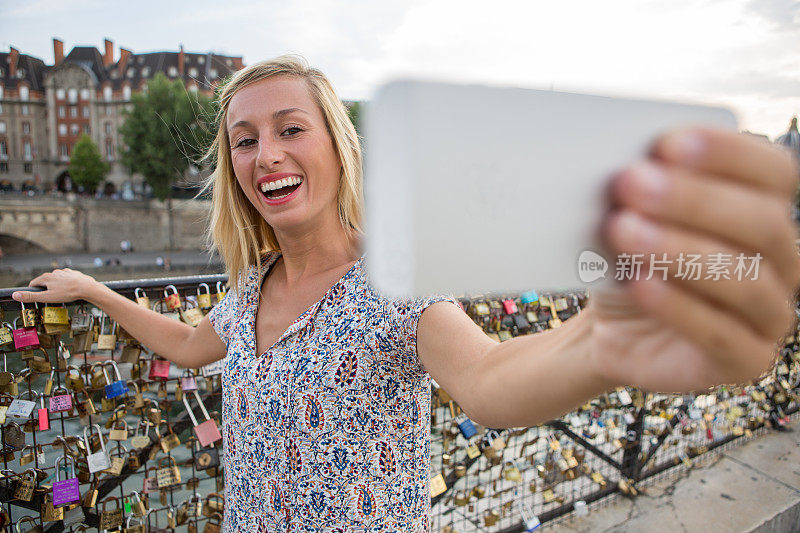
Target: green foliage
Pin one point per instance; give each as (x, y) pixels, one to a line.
(354, 111)
(165, 130)
(86, 166)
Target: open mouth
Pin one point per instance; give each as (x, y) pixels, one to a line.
(278, 189)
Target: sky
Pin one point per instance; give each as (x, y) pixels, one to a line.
(742, 54)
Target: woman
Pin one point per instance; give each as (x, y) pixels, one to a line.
(326, 383)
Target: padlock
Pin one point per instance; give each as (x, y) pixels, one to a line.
(491, 517)
(96, 461)
(214, 504)
(7, 382)
(141, 298)
(110, 519)
(74, 381)
(159, 369)
(141, 440)
(55, 319)
(68, 491)
(466, 426)
(204, 298)
(131, 527)
(74, 516)
(150, 483)
(6, 337)
(119, 430)
(61, 401)
(438, 485)
(28, 520)
(511, 471)
(172, 301)
(107, 341)
(25, 338)
(192, 316)
(154, 413)
(205, 458)
(213, 524)
(20, 408)
(138, 507)
(168, 473)
(25, 486)
(81, 321)
(43, 416)
(207, 432)
(169, 440)
(221, 291)
(130, 353)
(134, 463)
(117, 387)
(117, 461)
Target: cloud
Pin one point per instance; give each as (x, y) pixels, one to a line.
(781, 14)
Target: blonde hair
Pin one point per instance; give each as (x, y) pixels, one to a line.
(236, 229)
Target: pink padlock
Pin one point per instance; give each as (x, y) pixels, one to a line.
(207, 432)
(25, 338)
(60, 402)
(188, 383)
(44, 416)
(510, 307)
(159, 369)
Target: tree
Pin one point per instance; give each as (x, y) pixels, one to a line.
(354, 112)
(165, 128)
(86, 166)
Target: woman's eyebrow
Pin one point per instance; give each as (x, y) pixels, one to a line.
(276, 115)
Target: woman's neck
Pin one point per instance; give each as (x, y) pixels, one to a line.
(311, 252)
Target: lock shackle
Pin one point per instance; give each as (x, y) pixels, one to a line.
(118, 420)
(220, 288)
(29, 392)
(102, 366)
(64, 444)
(174, 290)
(530, 521)
(189, 409)
(25, 519)
(208, 291)
(142, 423)
(15, 323)
(72, 465)
(116, 369)
(99, 434)
(136, 292)
(113, 325)
(116, 502)
(60, 388)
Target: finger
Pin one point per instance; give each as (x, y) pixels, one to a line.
(736, 156)
(737, 354)
(31, 296)
(749, 289)
(41, 280)
(743, 217)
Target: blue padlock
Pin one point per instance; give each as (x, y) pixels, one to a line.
(529, 297)
(116, 388)
(466, 426)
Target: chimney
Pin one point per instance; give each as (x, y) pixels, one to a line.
(58, 51)
(13, 59)
(108, 57)
(123, 60)
(181, 59)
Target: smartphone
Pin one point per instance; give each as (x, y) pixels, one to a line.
(490, 190)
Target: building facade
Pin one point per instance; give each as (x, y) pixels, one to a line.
(44, 109)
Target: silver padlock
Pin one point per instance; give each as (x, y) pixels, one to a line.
(97, 461)
(20, 408)
(529, 520)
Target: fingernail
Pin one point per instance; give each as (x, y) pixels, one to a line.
(687, 146)
(651, 179)
(15, 295)
(637, 231)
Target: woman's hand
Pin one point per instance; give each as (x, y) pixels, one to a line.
(63, 285)
(701, 192)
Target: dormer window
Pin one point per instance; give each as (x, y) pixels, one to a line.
(61, 94)
(213, 73)
(85, 94)
(172, 71)
(192, 72)
(131, 72)
(145, 72)
(23, 92)
(201, 60)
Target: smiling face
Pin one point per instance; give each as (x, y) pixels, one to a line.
(282, 154)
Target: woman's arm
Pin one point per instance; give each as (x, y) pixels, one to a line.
(180, 343)
(522, 382)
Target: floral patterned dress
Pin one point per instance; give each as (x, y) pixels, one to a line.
(329, 429)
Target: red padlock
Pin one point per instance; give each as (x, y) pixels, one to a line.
(172, 301)
(44, 416)
(159, 369)
(510, 307)
(207, 432)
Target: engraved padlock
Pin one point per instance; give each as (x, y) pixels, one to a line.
(207, 432)
(68, 491)
(99, 460)
(141, 298)
(117, 387)
(107, 341)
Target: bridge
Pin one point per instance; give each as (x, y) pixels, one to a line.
(73, 224)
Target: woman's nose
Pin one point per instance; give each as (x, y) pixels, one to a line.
(269, 155)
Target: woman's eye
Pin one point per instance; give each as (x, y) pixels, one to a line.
(245, 142)
(291, 130)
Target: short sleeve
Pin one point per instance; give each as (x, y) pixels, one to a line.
(221, 317)
(406, 315)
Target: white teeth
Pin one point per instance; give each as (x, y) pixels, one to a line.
(279, 184)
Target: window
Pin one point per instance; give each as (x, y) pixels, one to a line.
(145, 72)
(3, 166)
(193, 88)
(86, 129)
(73, 111)
(172, 72)
(61, 94)
(85, 94)
(131, 72)
(26, 128)
(24, 109)
(74, 129)
(23, 93)
(64, 152)
(229, 62)
(108, 110)
(201, 60)
(62, 112)
(27, 151)
(2, 127)
(213, 73)
(126, 93)
(1, 87)
(62, 130)
(85, 111)
(193, 72)
(72, 94)
(109, 150)
(107, 127)
(107, 93)
(1, 108)
(3, 150)
(28, 169)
